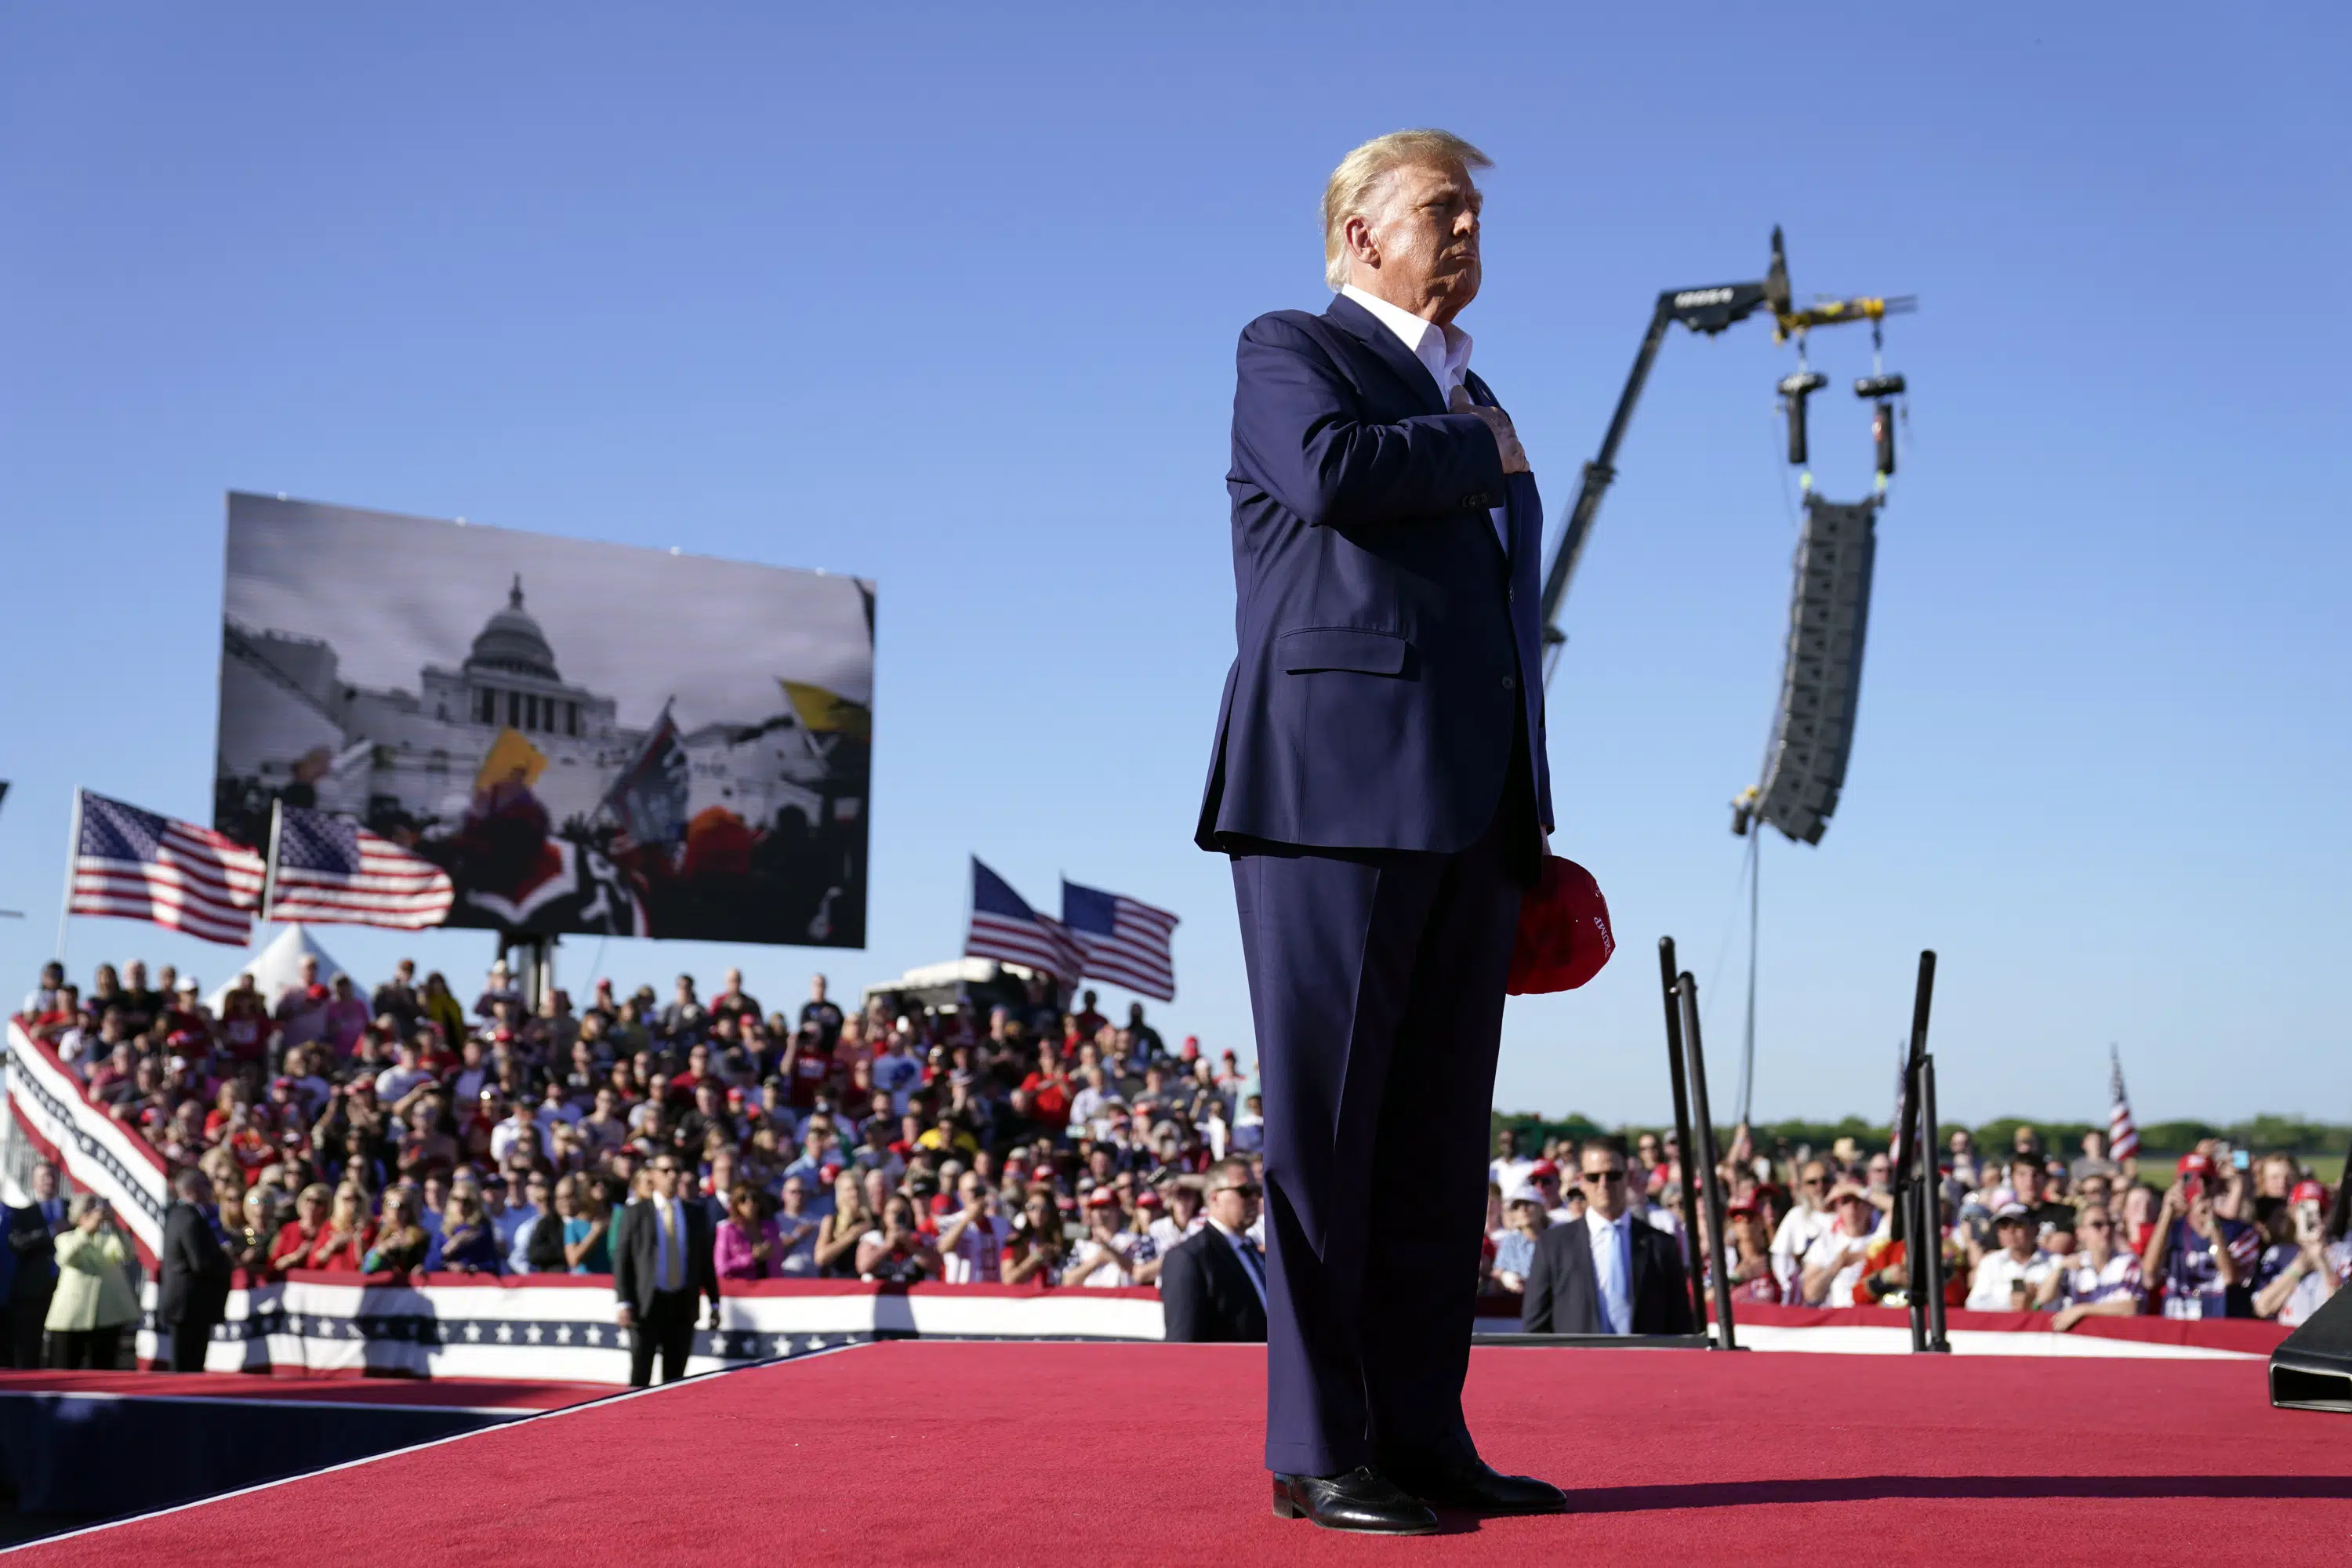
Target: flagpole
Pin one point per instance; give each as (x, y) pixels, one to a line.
(73, 850)
(270, 861)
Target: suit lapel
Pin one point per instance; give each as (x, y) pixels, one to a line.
(1514, 497)
(1365, 328)
(1633, 1270)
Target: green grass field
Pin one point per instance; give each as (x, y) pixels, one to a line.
(2157, 1170)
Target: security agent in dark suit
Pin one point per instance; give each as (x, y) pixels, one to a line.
(32, 1232)
(1611, 1271)
(661, 1264)
(1213, 1285)
(192, 1273)
(1380, 781)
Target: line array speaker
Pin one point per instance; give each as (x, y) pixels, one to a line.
(1820, 681)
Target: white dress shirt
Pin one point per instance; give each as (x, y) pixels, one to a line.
(1445, 353)
(1612, 1268)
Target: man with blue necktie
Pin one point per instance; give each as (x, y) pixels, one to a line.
(1213, 1287)
(1378, 781)
(32, 1232)
(1611, 1272)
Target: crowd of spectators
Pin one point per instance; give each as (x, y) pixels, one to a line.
(413, 1130)
(2232, 1234)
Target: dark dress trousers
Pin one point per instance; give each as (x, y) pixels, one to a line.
(191, 1282)
(1206, 1293)
(1564, 1294)
(663, 1319)
(1378, 778)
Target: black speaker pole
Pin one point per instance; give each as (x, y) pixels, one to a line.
(1928, 1265)
(1922, 997)
(1909, 1192)
(1684, 1150)
(1705, 1128)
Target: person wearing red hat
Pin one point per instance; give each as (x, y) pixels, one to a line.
(2202, 1262)
(1543, 1177)
(1106, 1257)
(2320, 1263)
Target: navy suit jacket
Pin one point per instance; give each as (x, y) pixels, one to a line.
(1206, 1293)
(1387, 645)
(1564, 1295)
(31, 1234)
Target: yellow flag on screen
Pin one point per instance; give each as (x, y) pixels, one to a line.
(512, 759)
(827, 714)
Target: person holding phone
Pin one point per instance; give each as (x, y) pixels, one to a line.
(93, 1303)
(2203, 1260)
(896, 1253)
(2320, 1264)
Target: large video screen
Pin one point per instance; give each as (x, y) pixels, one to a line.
(588, 738)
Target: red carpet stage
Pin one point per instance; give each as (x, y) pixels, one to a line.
(1095, 1454)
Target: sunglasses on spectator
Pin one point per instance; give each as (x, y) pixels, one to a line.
(1604, 1177)
(1246, 1189)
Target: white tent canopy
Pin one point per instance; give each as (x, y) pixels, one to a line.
(279, 966)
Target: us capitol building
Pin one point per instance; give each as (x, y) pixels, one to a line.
(287, 717)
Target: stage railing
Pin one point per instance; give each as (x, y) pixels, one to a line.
(561, 1327)
(53, 1115)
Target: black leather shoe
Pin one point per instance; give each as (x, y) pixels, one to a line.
(1362, 1499)
(1475, 1487)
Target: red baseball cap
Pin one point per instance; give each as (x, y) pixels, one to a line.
(2194, 1165)
(1542, 1168)
(1564, 934)
(2308, 1192)
(1102, 1197)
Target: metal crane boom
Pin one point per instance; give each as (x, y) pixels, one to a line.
(1707, 311)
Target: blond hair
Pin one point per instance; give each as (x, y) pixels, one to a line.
(1348, 191)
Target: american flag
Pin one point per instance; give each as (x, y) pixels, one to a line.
(1125, 942)
(1004, 928)
(2123, 1134)
(325, 869)
(142, 866)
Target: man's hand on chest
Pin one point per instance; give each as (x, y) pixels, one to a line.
(1506, 439)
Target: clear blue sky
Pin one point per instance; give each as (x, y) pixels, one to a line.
(947, 299)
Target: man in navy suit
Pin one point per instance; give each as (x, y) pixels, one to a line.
(31, 1233)
(1380, 782)
(1212, 1286)
(1607, 1271)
